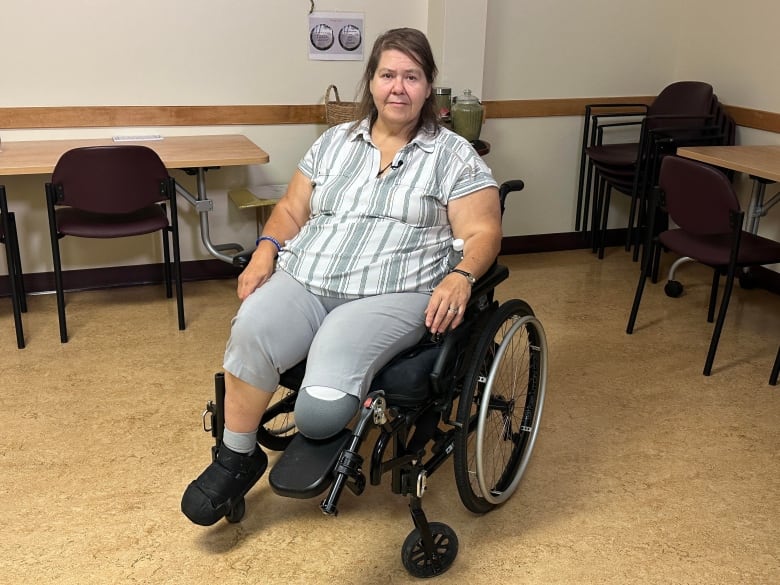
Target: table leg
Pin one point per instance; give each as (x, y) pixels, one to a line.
(756, 203)
(203, 205)
(758, 208)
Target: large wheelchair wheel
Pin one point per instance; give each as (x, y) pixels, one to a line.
(277, 426)
(500, 406)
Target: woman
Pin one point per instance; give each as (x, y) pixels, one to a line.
(352, 266)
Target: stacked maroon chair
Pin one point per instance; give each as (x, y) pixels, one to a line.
(685, 113)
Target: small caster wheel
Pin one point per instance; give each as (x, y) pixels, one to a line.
(237, 511)
(747, 281)
(445, 549)
(673, 289)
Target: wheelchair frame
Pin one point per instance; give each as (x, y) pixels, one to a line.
(467, 365)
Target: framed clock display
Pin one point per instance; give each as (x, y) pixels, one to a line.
(336, 36)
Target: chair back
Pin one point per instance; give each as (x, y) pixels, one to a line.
(679, 98)
(699, 198)
(110, 179)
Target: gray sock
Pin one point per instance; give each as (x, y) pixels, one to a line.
(240, 442)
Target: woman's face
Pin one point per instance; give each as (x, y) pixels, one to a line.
(399, 88)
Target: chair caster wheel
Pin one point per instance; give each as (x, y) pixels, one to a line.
(237, 511)
(747, 281)
(445, 545)
(673, 289)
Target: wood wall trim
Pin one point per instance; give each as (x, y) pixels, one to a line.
(758, 119)
(553, 107)
(261, 115)
(119, 116)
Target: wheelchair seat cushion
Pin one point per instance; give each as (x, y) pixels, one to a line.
(405, 380)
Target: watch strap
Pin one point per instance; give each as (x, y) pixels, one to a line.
(468, 275)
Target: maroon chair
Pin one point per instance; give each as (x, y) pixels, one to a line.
(113, 192)
(15, 278)
(701, 201)
(685, 113)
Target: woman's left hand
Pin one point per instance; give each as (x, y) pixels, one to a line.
(448, 304)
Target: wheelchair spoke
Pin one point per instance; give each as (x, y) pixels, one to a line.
(502, 388)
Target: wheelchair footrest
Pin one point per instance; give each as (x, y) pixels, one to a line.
(305, 469)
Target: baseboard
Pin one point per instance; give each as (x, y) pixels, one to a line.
(557, 242)
(118, 276)
(98, 278)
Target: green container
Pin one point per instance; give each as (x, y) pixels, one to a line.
(467, 114)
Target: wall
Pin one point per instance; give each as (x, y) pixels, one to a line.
(559, 49)
(168, 52)
(110, 52)
(736, 49)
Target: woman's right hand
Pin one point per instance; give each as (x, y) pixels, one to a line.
(289, 214)
(256, 273)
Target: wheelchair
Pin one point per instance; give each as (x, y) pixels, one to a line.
(475, 393)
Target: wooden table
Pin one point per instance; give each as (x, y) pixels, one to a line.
(195, 154)
(761, 162)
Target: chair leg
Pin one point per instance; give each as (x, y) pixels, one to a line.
(13, 280)
(713, 295)
(724, 305)
(17, 261)
(775, 369)
(60, 290)
(604, 218)
(586, 204)
(597, 210)
(176, 254)
(656, 262)
(640, 287)
(57, 262)
(167, 262)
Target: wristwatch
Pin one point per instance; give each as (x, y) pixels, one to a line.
(468, 275)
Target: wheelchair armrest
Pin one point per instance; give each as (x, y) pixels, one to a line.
(506, 188)
(455, 340)
(487, 282)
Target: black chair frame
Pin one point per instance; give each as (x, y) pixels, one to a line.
(775, 369)
(655, 142)
(9, 237)
(431, 401)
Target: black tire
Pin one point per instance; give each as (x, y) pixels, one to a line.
(237, 510)
(277, 426)
(500, 406)
(673, 289)
(445, 544)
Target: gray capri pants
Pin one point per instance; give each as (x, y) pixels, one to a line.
(347, 342)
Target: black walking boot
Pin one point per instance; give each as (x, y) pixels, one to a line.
(229, 477)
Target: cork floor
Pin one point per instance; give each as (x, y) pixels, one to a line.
(645, 471)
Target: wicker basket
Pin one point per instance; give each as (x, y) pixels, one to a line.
(336, 111)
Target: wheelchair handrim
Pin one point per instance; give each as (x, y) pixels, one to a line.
(487, 491)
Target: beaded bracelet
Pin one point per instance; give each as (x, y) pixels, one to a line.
(271, 239)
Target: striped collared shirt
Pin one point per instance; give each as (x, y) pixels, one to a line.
(371, 235)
